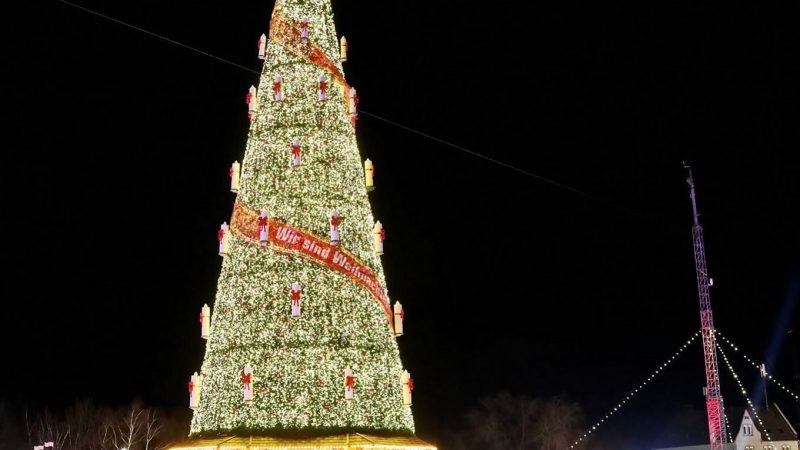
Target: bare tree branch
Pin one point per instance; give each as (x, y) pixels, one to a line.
(86, 427)
(506, 422)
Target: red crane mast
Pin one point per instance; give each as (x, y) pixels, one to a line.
(714, 406)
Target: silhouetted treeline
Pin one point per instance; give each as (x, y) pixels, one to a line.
(505, 421)
(86, 426)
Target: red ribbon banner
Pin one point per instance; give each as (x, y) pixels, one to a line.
(244, 225)
(285, 32)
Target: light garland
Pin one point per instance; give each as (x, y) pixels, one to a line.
(727, 425)
(769, 376)
(298, 362)
(636, 390)
(743, 390)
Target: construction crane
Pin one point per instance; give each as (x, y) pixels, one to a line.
(714, 406)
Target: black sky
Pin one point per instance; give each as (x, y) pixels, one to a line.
(116, 173)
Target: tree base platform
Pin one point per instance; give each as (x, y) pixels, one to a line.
(332, 442)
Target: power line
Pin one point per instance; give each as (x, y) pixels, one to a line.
(163, 38)
(375, 116)
(503, 164)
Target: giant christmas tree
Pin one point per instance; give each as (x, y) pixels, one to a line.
(301, 348)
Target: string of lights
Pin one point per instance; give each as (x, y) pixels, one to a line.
(636, 390)
(743, 391)
(293, 345)
(727, 426)
(752, 362)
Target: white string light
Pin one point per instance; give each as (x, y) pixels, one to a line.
(727, 425)
(636, 390)
(754, 364)
(743, 391)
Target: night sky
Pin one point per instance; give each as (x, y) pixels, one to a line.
(117, 181)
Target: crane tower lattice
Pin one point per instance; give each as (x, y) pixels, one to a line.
(714, 406)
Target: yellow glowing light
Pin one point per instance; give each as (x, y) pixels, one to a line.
(300, 361)
(332, 442)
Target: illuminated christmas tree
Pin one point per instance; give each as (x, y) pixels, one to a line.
(302, 335)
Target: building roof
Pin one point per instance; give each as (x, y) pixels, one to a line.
(689, 427)
(776, 425)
